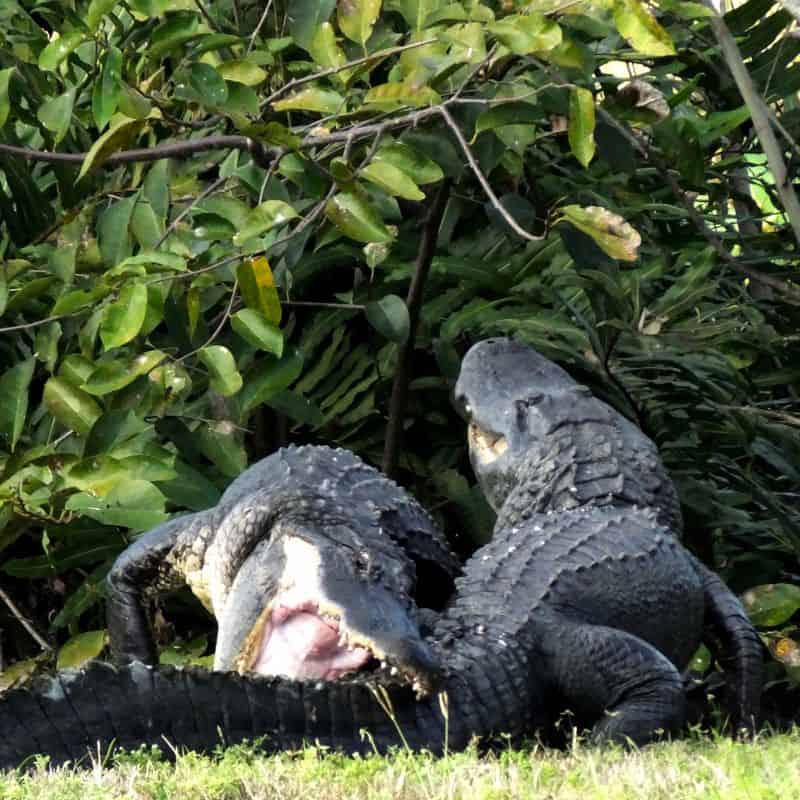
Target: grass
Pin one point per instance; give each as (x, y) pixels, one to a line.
(707, 768)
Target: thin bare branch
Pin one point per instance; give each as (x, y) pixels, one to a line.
(315, 76)
(493, 199)
(257, 30)
(210, 189)
(25, 622)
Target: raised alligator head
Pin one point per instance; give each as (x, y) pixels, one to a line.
(319, 601)
(512, 397)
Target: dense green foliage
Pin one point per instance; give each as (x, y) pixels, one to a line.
(166, 321)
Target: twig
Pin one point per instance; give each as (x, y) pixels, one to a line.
(210, 189)
(261, 155)
(493, 199)
(27, 624)
(254, 34)
(760, 116)
(402, 377)
(314, 76)
(36, 323)
(218, 330)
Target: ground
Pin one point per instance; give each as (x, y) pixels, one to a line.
(698, 767)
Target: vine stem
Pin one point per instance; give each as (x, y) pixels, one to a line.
(25, 622)
(402, 377)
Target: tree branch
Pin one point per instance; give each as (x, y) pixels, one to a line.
(402, 377)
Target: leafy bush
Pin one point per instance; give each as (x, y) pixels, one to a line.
(216, 266)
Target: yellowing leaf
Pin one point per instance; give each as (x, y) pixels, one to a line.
(611, 232)
(526, 33)
(257, 285)
(117, 137)
(324, 49)
(356, 18)
(581, 125)
(641, 29)
(325, 101)
(394, 95)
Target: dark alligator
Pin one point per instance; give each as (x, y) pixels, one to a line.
(251, 562)
(584, 600)
(540, 442)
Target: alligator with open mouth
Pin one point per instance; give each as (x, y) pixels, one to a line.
(583, 600)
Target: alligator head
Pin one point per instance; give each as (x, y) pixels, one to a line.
(319, 601)
(512, 397)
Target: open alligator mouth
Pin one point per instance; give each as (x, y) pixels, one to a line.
(304, 641)
(486, 445)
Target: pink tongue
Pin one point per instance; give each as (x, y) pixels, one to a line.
(304, 647)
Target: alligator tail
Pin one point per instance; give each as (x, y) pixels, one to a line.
(88, 711)
(737, 648)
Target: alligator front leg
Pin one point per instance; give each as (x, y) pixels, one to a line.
(142, 568)
(633, 691)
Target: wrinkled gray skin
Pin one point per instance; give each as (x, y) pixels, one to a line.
(373, 542)
(584, 600)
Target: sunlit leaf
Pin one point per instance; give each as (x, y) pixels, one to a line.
(254, 327)
(80, 649)
(242, 71)
(581, 125)
(324, 101)
(58, 49)
(771, 604)
(393, 180)
(135, 504)
(225, 378)
(526, 33)
(72, 407)
(415, 164)
(356, 218)
(641, 28)
(97, 10)
(122, 320)
(356, 18)
(264, 217)
(395, 95)
(610, 231)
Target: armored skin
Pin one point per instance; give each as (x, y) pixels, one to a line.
(583, 600)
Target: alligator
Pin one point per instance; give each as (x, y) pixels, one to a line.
(234, 554)
(584, 599)
(541, 442)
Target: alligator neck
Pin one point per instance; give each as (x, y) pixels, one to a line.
(576, 465)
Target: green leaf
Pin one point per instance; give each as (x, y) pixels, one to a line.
(513, 113)
(526, 33)
(356, 217)
(225, 378)
(72, 301)
(123, 319)
(59, 49)
(242, 71)
(393, 180)
(105, 95)
(357, 17)
(219, 445)
(415, 164)
(581, 125)
(153, 260)
(110, 376)
(305, 18)
(17, 673)
(641, 29)
(325, 51)
(772, 604)
(271, 376)
(253, 327)
(389, 316)
(5, 102)
(84, 597)
(80, 649)
(135, 504)
(3, 292)
(73, 408)
(415, 12)
(14, 385)
(121, 134)
(324, 101)
(264, 217)
(257, 285)
(611, 232)
(201, 84)
(56, 114)
(132, 104)
(97, 10)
